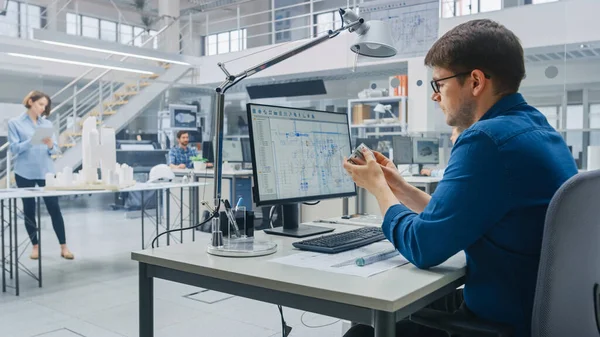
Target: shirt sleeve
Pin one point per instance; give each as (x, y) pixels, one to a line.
(172, 157)
(17, 145)
(470, 199)
(54, 149)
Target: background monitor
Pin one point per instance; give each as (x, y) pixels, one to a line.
(195, 135)
(426, 150)
(380, 144)
(246, 150)
(403, 150)
(183, 117)
(207, 151)
(232, 151)
(297, 156)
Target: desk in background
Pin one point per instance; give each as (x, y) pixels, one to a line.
(236, 184)
(380, 300)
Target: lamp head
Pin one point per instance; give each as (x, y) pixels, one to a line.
(374, 37)
(380, 108)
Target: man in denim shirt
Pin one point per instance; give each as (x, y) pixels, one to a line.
(180, 155)
(503, 171)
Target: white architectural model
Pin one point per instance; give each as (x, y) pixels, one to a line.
(98, 150)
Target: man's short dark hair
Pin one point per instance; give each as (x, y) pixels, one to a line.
(485, 45)
(181, 133)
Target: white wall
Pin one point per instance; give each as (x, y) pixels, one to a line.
(555, 23)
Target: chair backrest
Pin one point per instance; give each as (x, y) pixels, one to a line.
(567, 299)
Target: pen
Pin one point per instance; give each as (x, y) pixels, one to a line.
(369, 259)
(231, 217)
(238, 204)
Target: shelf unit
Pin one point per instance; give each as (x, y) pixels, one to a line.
(375, 129)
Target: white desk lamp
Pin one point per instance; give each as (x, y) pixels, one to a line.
(374, 40)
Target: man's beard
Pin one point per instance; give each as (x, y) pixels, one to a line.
(184, 143)
(464, 115)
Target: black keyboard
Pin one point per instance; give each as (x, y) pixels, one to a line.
(340, 242)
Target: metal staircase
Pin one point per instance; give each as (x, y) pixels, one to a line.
(115, 103)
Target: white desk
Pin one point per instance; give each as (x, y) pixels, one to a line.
(380, 300)
(11, 195)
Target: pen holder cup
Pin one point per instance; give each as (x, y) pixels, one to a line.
(244, 220)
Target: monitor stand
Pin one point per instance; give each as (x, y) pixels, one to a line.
(291, 225)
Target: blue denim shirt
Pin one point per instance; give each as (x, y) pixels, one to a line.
(178, 155)
(31, 161)
(492, 201)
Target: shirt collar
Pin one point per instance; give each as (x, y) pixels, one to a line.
(504, 104)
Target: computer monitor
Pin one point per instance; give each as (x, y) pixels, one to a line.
(208, 151)
(380, 144)
(246, 150)
(426, 151)
(403, 150)
(232, 151)
(195, 136)
(183, 117)
(297, 156)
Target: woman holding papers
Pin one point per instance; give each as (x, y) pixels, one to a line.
(32, 162)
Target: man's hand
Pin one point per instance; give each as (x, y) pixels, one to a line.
(426, 172)
(181, 166)
(369, 175)
(48, 142)
(392, 176)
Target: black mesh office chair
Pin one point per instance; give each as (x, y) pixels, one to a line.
(567, 298)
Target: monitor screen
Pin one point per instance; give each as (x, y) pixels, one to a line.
(297, 154)
(403, 150)
(426, 150)
(208, 151)
(232, 151)
(183, 117)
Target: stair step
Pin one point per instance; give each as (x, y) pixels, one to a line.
(115, 103)
(73, 134)
(98, 122)
(105, 113)
(125, 94)
(55, 156)
(134, 85)
(153, 76)
(67, 145)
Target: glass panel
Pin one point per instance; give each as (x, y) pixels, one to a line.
(551, 113)
(324, 23)
(108, 30)
(447, 8)
(594, 116)
(211, 45)
(468, 7)
(154, 41)
(137, 32)
(235, 41)
(244, 38)
(89, 27)
(490, 5)
(34, 13)
(72, 24)
(575, 117)
(126, 34)
(9, 23)
(223, 43)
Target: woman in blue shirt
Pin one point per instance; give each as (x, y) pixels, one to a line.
(32, 162)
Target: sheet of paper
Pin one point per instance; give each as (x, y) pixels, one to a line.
(40, 134)
(327, 262)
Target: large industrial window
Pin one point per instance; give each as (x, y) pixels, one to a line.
(225, 42)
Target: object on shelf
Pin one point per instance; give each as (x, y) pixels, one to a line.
(360, 112)
(398, 85)
(370, 93)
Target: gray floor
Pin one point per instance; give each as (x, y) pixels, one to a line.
(95, 295)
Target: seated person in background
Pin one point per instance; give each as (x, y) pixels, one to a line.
(180, 155)
(456, 131)
(486, 205)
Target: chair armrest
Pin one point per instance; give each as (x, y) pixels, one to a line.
(459, 324)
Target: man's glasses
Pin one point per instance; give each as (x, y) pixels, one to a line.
(436, 86)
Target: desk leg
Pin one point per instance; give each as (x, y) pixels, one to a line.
(3, 256)
(157, 216)
(168, 202)
(39, 227)
(143, 209)
(181, 214)
(10, 227)
(146, 299)
(384, 323)
(16, 248)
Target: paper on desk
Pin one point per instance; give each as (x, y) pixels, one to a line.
(326, 262)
